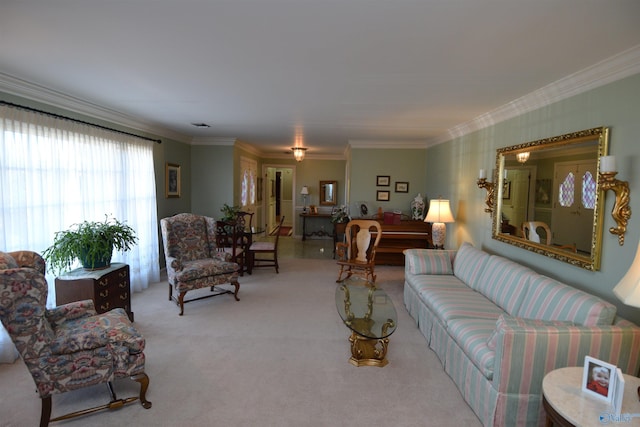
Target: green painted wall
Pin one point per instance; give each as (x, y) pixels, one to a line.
(404, 165)
(212, 173)
(452, 170)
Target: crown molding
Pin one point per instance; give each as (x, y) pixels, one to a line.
(213, 140)
(361, 143)
(617, 67)
(38, 93)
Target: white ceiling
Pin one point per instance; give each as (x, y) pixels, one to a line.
(321, 72)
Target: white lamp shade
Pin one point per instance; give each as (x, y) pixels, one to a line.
(439, 211)
(628, 289)
(305, 190)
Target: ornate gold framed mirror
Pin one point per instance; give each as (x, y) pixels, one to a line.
(549, 200)
(328, 193)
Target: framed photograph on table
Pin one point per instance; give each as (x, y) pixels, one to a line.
(402, 187)
(382, 196)
(599, 378)
(383, 180)
(172, 182)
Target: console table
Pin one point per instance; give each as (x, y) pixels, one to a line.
(108, 288)
(328, 231)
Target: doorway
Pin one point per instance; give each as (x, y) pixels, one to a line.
(279, 197)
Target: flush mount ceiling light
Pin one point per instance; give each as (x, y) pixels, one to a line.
(298, 153)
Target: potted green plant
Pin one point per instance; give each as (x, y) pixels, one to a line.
(90, 242)
(229, 213)
(340, 215)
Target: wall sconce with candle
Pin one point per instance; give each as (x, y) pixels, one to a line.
(491, 189)
(621, 211)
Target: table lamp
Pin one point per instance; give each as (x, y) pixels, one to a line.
(305, 193)
(439, 213)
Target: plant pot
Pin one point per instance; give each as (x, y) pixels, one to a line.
(98, 263)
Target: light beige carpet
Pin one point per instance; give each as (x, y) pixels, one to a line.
(278, 357)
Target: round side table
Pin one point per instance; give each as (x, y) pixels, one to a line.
(567, 405)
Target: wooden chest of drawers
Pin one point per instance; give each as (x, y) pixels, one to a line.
(108, 288)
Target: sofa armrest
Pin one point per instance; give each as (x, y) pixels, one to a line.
(71, 311)
(428, 261)
(525, 354)
(173, 263)
(222, 256)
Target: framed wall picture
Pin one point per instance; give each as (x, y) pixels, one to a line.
(382, 196)
(402, 187)
(598, 378)
(383, 180)
(172, 182)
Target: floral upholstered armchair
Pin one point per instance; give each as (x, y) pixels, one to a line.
(70, 346)
(193, 259)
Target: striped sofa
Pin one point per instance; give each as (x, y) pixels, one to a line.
(498, 327)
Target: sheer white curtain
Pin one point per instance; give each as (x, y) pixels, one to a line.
(55, 173)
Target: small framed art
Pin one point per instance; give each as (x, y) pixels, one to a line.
(598, 379)
(172, 180)
(383, 180)
(402, 187)
(382, 196)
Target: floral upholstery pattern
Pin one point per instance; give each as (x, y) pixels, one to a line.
(192, 257)
(70, 346)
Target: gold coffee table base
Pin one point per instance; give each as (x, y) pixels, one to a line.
(368, 352)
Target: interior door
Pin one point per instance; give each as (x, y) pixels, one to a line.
(517, 196)
(574, 198)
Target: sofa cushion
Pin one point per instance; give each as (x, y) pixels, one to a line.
(428, 261)
(504, 282)
(519, 321)
(471, 335)
(548, 299)
(193, 270)
(422, 282)
(456, 304)
(469, 264)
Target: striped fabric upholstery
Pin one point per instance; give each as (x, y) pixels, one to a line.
(544, 325)
(525, 353)
(450, 283)
(428, 261)
(472, 336)
(547, 299)
(447, 305)
(504, 282)
(469, 264)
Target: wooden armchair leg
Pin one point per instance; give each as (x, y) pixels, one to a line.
(45, 414)
(143, 379)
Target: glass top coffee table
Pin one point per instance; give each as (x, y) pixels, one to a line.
(370, 314)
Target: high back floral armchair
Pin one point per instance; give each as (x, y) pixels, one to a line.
(71, 346)
(193, 259)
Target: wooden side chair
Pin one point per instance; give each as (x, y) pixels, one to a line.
(71, 346)
(357, 254)
(265, 254)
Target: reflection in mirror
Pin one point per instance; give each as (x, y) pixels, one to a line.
(328, 191)
(549, 200)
